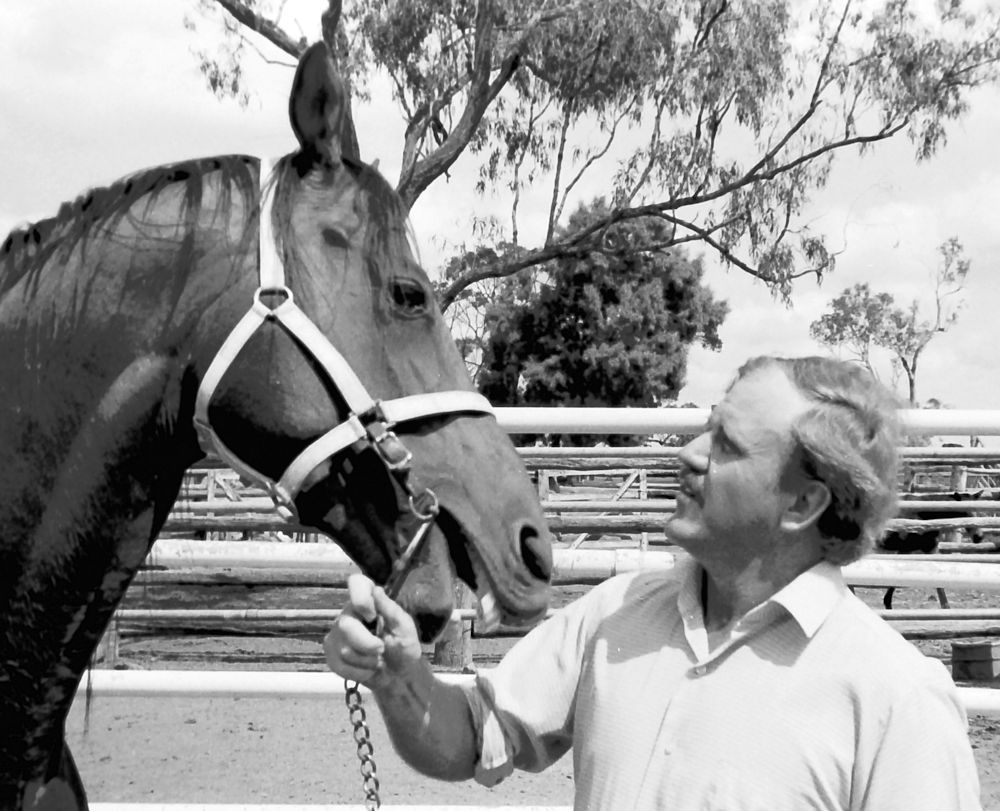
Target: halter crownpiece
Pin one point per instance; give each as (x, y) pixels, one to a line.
(369, 420)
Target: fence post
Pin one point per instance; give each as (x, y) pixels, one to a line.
(543, 484)
(959, 474)
(453, 651)
(643, 495)
(106, 651)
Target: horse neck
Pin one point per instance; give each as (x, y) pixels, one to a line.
(104, 327)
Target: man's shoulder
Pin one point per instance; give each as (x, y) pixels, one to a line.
(626, 596)
(861, 639)
(638, 586)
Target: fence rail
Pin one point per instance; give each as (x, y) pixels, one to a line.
(578, 566)
(273, 683)
(263, 508)
(528, 420)
(301, 807)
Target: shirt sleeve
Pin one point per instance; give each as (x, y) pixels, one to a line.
(923, 758)
(523, 708)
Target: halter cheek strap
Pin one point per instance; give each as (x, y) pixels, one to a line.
(369, 420)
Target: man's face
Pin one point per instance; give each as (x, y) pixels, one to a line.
(733, 491)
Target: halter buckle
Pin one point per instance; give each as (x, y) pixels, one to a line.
(396, 456)
(284, 502)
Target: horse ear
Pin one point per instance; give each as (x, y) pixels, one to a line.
(318, 107)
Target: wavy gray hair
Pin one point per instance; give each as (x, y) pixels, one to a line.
(849, 439)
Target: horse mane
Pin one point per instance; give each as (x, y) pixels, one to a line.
(27, 247)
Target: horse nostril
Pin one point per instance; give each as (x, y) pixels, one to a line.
(430, 626)
(536, 553)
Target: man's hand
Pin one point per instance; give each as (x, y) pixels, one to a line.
(429, 720)
(356, 652)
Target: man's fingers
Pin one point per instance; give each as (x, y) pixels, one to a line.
(357, 636)
(353, 661)
(370, 602)
(347, 663)
(392, 613)
(352, 650)
(359, 595)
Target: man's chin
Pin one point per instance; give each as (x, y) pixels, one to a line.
(687, 532)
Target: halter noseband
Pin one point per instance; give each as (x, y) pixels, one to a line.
(369, 420)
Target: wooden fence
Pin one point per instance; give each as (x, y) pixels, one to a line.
(652, 472)
(608, 497)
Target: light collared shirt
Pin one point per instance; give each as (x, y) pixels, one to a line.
(811, 702)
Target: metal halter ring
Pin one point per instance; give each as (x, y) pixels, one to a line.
(280, 290)
(432, 507)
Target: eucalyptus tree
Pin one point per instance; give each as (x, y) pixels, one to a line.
(860, 320)
(719, 117)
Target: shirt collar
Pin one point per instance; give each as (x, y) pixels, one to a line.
(808, 599)
(811, 596)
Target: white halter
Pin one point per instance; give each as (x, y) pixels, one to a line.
(369, 420)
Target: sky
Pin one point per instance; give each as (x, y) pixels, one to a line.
(90, 92)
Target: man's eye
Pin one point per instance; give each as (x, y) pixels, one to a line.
(724, 443)
(408, 296)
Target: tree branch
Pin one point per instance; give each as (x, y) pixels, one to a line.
(554, 208)
(592, 159)
(274, 34)
(519, 162)
(574, 246)
(654, 143)
(481, 94)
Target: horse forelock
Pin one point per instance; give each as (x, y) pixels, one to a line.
(384, 214)
(389, 212)
(27, 247)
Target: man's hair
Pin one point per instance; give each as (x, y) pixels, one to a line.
(849, 439)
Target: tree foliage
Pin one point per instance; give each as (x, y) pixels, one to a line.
(612, 328)
(467, 317)
(859, 320)
(659, 101)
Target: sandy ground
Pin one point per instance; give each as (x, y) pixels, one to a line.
(300, 750)
(263, 751)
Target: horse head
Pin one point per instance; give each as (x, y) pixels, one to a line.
(346, 395)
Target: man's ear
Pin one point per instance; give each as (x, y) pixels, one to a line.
(811, 501)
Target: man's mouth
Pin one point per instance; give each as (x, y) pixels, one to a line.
(687, 489)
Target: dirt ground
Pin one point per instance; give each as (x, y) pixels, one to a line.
(172, 750)
(258, 750)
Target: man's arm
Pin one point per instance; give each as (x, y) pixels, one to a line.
(429, 721)
(923, 758)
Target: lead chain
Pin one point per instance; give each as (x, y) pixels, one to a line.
(362, 737)
(352, 695)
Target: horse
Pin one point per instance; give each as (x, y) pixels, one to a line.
(925, 542)
(277, 318)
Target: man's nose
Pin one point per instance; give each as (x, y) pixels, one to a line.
(695, 454)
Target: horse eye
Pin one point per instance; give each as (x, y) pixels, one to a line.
(334, 238)
(409, 296)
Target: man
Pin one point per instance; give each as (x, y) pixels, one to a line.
(747, 678)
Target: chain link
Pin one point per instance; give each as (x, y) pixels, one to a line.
(362, 737)
(424, 506)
